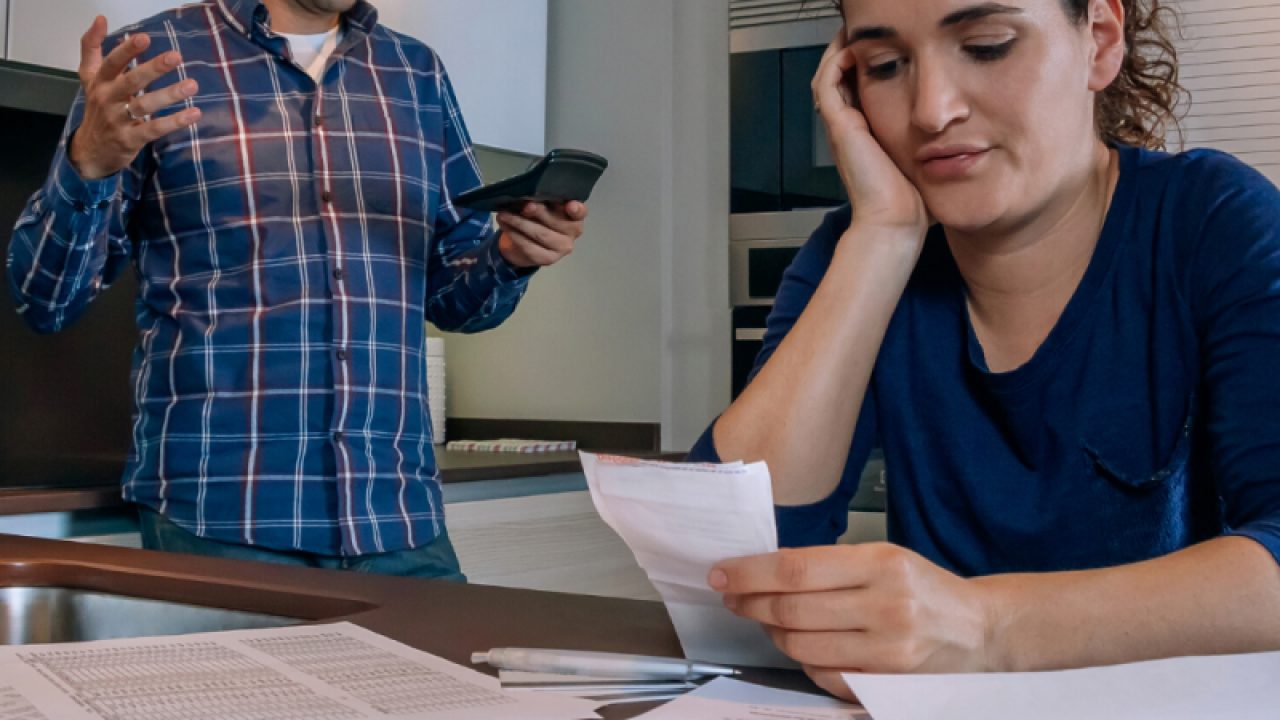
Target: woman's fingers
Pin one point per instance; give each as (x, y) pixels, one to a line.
(831, 680)
(844, 610)
(831, 567)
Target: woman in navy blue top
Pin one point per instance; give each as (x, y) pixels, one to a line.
(1066, 344)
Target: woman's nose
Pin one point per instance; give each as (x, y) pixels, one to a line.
(938, 100)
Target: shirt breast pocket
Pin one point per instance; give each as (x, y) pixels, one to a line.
(1137, 484)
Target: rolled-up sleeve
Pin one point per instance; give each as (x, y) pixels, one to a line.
(1236, 298)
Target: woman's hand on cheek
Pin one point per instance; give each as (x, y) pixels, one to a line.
(874, 608)
(880, 194)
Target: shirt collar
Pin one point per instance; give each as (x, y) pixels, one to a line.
(250, 18)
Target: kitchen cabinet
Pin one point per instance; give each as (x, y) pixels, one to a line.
(496, 54)
(48, 33)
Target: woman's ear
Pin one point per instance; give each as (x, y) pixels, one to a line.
(1106, 30)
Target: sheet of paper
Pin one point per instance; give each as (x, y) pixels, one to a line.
(727, 699)
(1239, 687)
(680, 519)
(320, 672)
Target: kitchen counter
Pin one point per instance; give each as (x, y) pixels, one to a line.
(441, 618)
(94, 483)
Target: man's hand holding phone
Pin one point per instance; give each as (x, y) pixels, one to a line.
(117, 122)
(540, 211)
(540, 234)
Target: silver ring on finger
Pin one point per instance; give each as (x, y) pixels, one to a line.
(128, 110)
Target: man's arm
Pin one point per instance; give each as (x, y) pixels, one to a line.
(70, 241)
(477, 274)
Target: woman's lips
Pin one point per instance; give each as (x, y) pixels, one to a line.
(953, 166)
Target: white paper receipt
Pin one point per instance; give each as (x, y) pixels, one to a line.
(680, 519)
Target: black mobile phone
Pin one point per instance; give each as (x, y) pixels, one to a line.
(558, 177)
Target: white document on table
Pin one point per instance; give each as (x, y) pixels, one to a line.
(318, 672)
(727, 699)
(680, 519)
(1238, 687)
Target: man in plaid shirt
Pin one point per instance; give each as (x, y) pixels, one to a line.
(285, 204)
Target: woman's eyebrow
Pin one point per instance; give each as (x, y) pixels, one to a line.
(963, 15)
(877, 32)
(977, 12)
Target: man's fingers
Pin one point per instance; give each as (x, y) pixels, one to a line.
(91, 49)
(524, 252)
(153, 130)
(138, 79)
(537, 233)
(575, 211)
(154, 102)
(560, 221)
(118, 59)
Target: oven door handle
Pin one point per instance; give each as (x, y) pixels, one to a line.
(749, 334)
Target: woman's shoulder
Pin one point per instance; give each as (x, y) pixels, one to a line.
(1203, 198)
(1214, 219)
(1199, 179)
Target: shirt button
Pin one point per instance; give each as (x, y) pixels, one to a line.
(338, 274)
(319, 120)
(342, 355)
(337, 436)
(327, 197)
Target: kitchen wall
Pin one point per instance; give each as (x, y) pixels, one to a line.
(634, 326)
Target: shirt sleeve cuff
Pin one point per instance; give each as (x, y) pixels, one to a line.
(503, 271)
(1265, 532)
(819, 523)
(704, 450)
(68, 187)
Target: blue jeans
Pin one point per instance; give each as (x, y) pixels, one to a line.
(436, 559)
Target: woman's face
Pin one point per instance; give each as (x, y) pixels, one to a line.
(985, 107)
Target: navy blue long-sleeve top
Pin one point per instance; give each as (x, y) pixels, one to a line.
(1147, 421)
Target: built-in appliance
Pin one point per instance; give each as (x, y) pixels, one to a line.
(761, 248)
(779, 155)
(782, 176)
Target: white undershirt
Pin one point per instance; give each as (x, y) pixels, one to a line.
(311, 52)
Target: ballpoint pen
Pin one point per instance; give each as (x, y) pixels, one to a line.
(599, 664)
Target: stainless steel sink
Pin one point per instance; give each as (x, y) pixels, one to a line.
(30, 615)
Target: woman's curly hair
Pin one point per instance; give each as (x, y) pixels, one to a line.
(1140, 106)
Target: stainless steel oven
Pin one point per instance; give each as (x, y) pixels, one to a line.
(761, 248)
(779, 155)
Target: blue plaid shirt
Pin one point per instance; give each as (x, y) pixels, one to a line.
(289, 248)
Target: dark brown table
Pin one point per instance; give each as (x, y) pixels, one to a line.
(441, 618)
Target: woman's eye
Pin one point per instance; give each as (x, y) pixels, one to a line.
(987, 52)
(883, 70)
